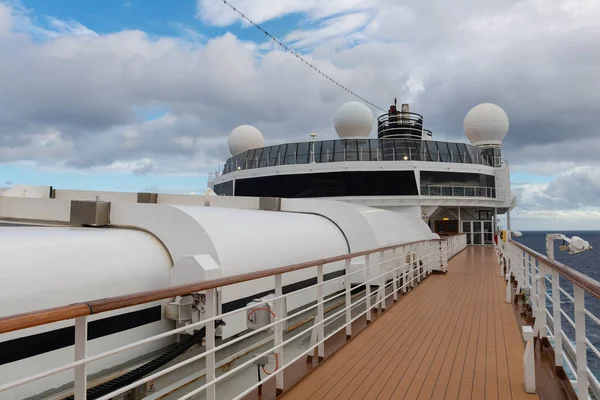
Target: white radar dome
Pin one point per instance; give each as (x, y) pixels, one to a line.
(244, 138)
(353, 119)
(486, 125)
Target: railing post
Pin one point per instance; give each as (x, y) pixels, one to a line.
(321, 312)
(405, 269)
(533, 295)
(556, 314)
(580, 345)
(210, 344)
(556, 307)
(348, 302)
(368, 287)
(81, 329)
(278, 331)
(396, 266)
(529, 360)
(381, 289)
(541, 314)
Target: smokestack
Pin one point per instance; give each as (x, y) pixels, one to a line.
(405, 108)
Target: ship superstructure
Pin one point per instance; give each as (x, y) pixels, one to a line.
(455, 187)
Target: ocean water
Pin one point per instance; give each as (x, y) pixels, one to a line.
(588, 263)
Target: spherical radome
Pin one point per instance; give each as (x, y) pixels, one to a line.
(353, 119)
(486, 124)
(244, 138)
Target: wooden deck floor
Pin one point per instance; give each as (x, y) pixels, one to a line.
(452, 337)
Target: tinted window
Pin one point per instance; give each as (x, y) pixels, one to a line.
(333, 184)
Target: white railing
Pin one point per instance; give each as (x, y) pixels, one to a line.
(450, 246)
(458, 191)
(387, 272)
(538, 280)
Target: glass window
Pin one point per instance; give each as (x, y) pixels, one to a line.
(433, 151)
(303, 153)
(464, 154)
(276, 155)
(290, 153)
(247, 164)
(339, 150)
(316, 148)
(256, 158)
(444, 152)
(401, 153)
(387, 149)
(363, 150)
(264, 157)
(351, 150)
(327, 151)
(414, 149)
(455, 155)
(466, 226)
(375, 147)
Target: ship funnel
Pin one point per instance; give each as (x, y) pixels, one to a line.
(405, 108)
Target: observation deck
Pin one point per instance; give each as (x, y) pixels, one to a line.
(362, 150)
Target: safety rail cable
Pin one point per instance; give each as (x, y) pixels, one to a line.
(422, 257)
(530, 270)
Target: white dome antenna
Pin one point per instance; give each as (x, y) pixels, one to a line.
(353, 120)
(244, 138)
(486, 125)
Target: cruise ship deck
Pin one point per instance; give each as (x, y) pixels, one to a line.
(452, 337)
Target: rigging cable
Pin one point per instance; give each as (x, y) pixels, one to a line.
(298, 56)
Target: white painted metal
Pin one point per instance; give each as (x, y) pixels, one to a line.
(210, 343)
(529, 360)
(80, 378)
(71, 265)
(281, 314)
(580, 343)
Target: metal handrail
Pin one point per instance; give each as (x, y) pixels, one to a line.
(408, 265)
(530, 269)
(587, 283)
(55, 314)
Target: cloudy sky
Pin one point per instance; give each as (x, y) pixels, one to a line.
(140, 95)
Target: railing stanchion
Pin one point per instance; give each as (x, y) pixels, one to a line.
(280, 313)
(210, 344)
(541, 315)
(580, 345)
(381, 289)
(321, 312)
(367, 287)
(81, 329)
(529, 360)
(557, 328)
(396, 266)
(348, 302)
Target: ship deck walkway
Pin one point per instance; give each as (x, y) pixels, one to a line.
(452, 337)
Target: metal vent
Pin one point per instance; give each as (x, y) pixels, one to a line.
(269, 203)
(147, 198)
(90, 213)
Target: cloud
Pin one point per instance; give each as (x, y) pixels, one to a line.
(219, 14)
(328, 29)
(71, 98)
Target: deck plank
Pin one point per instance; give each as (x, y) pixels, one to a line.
(453, 336)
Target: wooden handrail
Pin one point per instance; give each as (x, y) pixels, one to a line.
(50, 315)
(588, 284)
